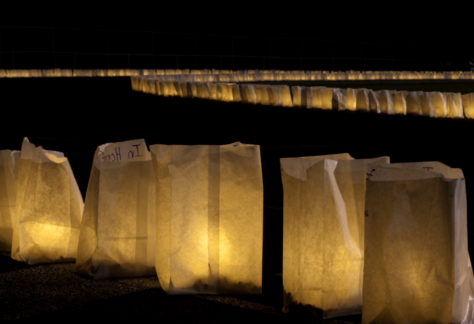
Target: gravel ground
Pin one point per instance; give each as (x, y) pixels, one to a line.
(52, 293)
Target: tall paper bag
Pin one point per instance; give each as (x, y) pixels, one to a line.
(209, 218)
(119, 223)
(417, 266)
(323, 232)
(48, 208)
(9, 162)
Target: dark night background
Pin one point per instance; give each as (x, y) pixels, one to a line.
(75, 115)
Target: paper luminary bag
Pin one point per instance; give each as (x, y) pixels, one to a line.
(9, 162)
(323, 232)
(417, 266)
(119, 223)
(48, 208)
(209, 218)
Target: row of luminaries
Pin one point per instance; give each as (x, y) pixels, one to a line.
(387, 240)
(432, 104)
(212, 75)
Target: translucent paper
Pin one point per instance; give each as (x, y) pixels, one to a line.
(339, 98)
(209, 218)
(118, 230)
(454, 105)
(362, 101)
(48, 208)
(323, 232)
(414, 102)
(399, 102)
(9, 163)
(417, 266)
(385, 101)
(468, 105)
(427, 106)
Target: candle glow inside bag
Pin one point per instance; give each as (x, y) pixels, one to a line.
(417, 266)
(48, 208)
(209, 218)
(323, 232)
(119, 223)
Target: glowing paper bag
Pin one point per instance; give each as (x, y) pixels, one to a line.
(427, 106)
(439, 104)
(323, 232)
(351, 99)
(48, 208)
(209, 218)
(417, 266)
(413, 102)
(296, 94)
(468, 105)
(385, 101)
(339, 98)
(454, 105)
(9, 163)
(362, 101)
(118, 227)
(400, 102)
(374, 101)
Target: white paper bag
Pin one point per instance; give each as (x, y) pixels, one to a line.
(439, 104)
(209, 218)
(374, 105)
(413, 102)
(296, 94)
(316, 98)
(339, 98)
(399, 102)
(468, 105)
(48, 208)
(323, 232)
(118, 230)
(386, 102)
(454, 105)
(351, 99)
(362, 102)
(9, 163)
(417, 266)
(427, 106)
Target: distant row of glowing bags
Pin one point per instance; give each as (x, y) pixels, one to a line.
(245, 75)
(193, 215)
(432, 104)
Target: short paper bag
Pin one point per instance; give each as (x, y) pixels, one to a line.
(417, 266)
(48, 208)
(323, 232)
(209, 218)
(119, 223)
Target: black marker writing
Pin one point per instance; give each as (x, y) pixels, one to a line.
(118, 154)
(133, 153)
(427, 168)
(370, 174)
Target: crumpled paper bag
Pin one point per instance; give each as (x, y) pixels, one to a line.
(9, 163)
(118, 228)
(323, 232)
(209, 218)
(417, 266)
(48, 208)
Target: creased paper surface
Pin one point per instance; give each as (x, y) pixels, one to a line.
(119, 224)
(323, 232)
(48, 208)
(417, 266)
(209, 218)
